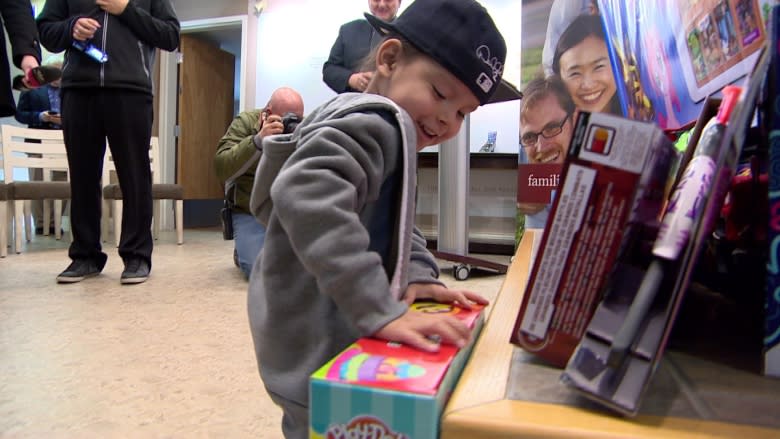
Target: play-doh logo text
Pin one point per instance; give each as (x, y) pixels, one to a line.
(363, 427)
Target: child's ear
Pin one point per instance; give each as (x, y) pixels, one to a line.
(388, 56)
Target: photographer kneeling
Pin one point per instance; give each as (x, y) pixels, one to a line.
(236, 161)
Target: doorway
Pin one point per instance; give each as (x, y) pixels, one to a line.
(228, 34)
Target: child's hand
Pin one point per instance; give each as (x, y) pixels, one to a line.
(442, 294)
(425, 331)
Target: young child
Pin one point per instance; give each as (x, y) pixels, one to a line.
(342, 258)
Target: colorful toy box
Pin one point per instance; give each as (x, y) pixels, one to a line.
(376, 388)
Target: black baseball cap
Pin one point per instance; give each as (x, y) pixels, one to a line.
(459, 35)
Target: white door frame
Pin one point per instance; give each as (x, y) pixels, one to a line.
(168, 96)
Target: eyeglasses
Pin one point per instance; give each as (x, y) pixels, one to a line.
(548, 132)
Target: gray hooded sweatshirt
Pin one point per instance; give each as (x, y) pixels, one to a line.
(317, 286)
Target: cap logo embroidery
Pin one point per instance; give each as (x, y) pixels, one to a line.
(484, 82)
(483, 53)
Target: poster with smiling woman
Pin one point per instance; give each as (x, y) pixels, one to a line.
(653, 61)
(567, 39)
(566, 68)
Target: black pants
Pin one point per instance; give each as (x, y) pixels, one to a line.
(90, 116)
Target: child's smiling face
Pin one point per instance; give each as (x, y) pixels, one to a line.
(436, 100)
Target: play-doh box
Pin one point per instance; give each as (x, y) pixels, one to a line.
(376, 388)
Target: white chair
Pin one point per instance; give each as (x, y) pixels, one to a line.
(30, 148)
(160, 191)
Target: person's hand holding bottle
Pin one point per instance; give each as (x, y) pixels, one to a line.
(84, 28)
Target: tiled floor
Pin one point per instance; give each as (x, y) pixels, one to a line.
(170, 358)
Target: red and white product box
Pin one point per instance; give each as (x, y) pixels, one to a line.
(613, 184)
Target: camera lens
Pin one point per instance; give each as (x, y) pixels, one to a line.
(290, 121)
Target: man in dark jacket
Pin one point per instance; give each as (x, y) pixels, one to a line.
(25, 51)
(107, 93)
(342, 69)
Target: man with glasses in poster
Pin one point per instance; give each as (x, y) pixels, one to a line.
(547, 115)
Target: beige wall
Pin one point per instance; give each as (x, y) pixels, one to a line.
(200, 9)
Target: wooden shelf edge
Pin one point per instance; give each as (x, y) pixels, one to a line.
(525, 419)
(484, 379)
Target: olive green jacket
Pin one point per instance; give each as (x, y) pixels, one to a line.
(234, 150)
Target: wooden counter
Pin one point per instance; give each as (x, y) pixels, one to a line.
(505, 392)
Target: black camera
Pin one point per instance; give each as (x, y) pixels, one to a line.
(290, 120)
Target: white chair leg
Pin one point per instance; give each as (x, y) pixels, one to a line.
(46, 217)
(57, 220)
(70, 224)
(117, 212)
(156, 219)
(105, 221)
(179, 221)
(59, 206)
(4, 229)
(10, 224)
(27, 209)
(18, 220)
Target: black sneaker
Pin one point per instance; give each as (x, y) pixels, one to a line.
(136, 271)
(77, 271)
